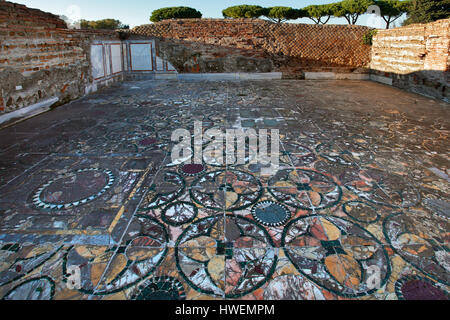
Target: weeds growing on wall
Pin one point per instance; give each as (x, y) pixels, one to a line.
(368, 37)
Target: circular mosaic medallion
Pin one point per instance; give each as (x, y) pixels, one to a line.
(227, 265)
(326, 152)
(147, 141)
(353, 149)
(20, 266)
(179, 213)
(422, 240)
(106, 270)
(361, 212)
(191, 169)
(167, 186)
(335, 253)
(416, 288)
(304, 189)
(73, 189)
(42, 288)
(226, 190)
(160, 288)
(381, 187)
(334, 169)
(229, 157)
(296, 155)
(258, 167)
(131, 138)
(271, 214)
(291, 287)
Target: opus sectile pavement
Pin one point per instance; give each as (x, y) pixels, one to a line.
(363, 183)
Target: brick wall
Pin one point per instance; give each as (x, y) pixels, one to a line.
(415, 58)
(218, 45)
(32, 49)
(40, 58)
(18, 14)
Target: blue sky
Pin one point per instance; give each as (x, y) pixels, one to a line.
(137, 12)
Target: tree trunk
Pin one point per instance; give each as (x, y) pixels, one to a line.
(348, 19)
(387, 20)
(328, 19)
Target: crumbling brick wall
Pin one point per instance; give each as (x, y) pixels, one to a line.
(18, 14)
(415, 58)
(40, 58)
(226, 45)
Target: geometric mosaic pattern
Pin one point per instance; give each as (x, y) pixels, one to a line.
(60, 192)
(92, 206)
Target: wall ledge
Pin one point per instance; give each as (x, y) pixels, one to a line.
(381, 79)
(13, 117)
(335, 76)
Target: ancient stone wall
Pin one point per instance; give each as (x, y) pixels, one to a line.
(40, 58)
(415, 58)
(246, 45)
(19, 14)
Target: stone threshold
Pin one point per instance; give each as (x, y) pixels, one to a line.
(205, 76)
(335, 76)
(13, 117)
(381, 79)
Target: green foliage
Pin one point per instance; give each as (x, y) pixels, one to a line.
(110, 24)
(424, 11)
(368, 37)
(301, 13)
(391, 10)
(175, 13)
(244, 11)
(351, 10)
(281, 14)
(320, 13)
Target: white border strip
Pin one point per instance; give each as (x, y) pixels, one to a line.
(29, 111)
(229, 76)
(381, 79)
(335, 76)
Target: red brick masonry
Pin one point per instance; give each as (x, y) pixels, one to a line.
(40, 58)
(415, 57)
(291, 47)
(39, 53)
(19, 14)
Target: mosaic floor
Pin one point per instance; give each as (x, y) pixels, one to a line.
(364, 184)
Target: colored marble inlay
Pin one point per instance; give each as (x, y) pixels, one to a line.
(73, 189)
(160, 288)
(415, 288)
(270, 213)
(92, 205)
(192, 169)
